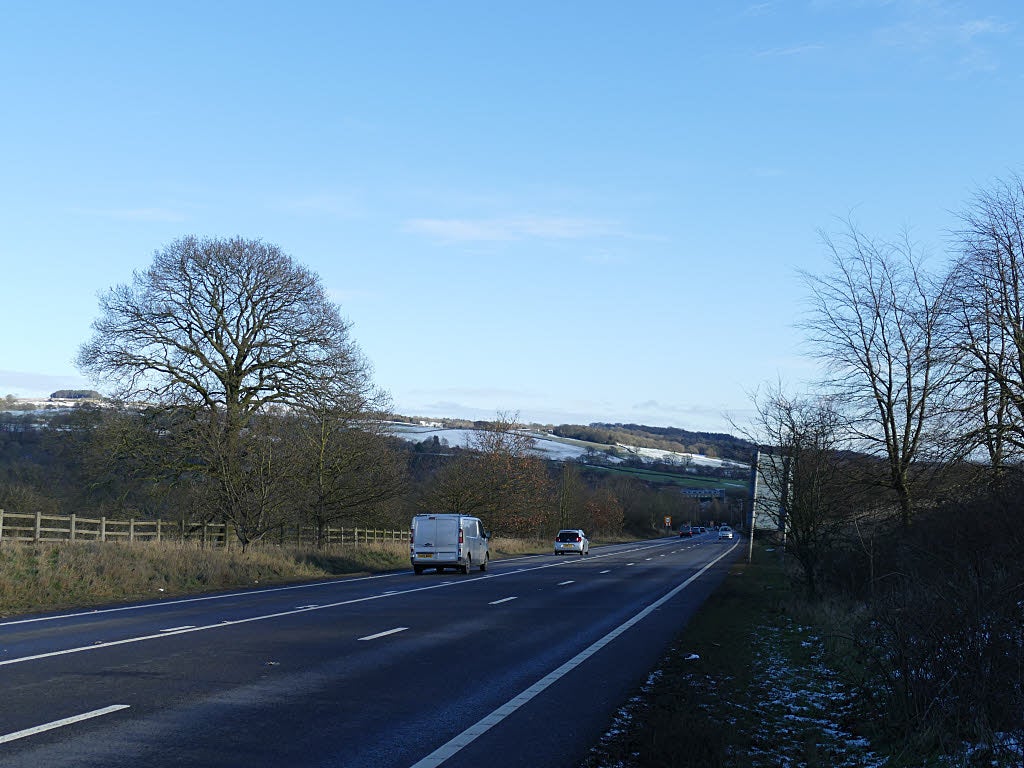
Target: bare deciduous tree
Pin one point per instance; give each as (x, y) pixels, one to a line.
(988, 320)
(499, 480)
(570, 494)
(223, 330)
(875, 322)
(342, 468)
(799, 463)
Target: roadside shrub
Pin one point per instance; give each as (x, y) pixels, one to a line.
(942, 642)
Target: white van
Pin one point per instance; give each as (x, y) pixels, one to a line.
(448, 541)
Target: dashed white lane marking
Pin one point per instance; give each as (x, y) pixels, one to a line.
(600, 572)
(268, 590)
(648, 559)
(178, 629)
(503, 600)
(311, 605)
(563, 583)
(61, 723)
(469, 735)
(384, 634)
(263, 617)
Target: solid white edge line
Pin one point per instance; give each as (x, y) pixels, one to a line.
(61, 723)
(384, 634)
(469, 735)
(563, 583)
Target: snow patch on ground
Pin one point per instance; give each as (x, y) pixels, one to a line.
(796, 708)
(802, 705)
(683, 459)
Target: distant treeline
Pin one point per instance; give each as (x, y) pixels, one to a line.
(121, 464)
(76, 394)
(711, 444)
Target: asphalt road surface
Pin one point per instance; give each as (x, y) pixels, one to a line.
(524, 665)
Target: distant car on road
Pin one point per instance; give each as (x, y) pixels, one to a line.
(725, 532)
(685, 533)
(572, 540)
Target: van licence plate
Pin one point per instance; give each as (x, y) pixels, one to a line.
(425, 555)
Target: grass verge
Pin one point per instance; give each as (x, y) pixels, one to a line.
(77, 574)
(58, 575)
(743, 686)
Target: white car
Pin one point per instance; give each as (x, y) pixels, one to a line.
(573, 541)
(725, 532)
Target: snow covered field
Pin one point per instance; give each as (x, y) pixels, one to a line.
(552, 447)
(461, 438)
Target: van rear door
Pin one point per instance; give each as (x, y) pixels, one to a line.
(437, 537)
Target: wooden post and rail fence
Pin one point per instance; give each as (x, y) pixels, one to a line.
(37, 527)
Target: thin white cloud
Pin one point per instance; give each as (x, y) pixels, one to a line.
(603, 258)
(936, 29)
(34, 384)
(512, 228)
(340, 206)
(767, 172)
(759, 9)
(708, 416)
(793, 50)
(134, 214)
(484, 403)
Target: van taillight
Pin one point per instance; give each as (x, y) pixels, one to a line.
(462, 538)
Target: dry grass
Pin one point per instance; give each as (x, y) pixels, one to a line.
(41, 577)
(58, 575)
(505, 547)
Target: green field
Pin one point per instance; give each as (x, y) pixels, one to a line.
(730, 486)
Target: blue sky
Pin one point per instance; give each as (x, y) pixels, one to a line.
(580, 211)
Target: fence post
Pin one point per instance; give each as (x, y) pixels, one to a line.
(205, 526)
(103, 528)
(158, 521)
(71, 531)
(39, 525)
(131, 529)
(1, 523)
